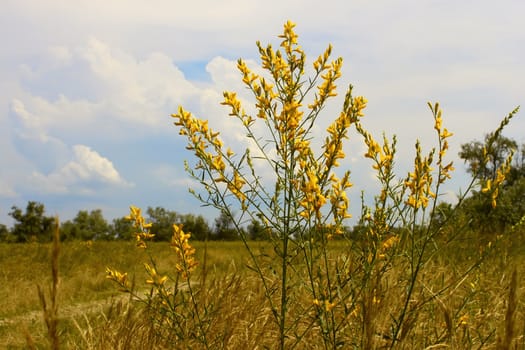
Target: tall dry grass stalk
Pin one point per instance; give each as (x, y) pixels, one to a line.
(510, 315)
(50, 307)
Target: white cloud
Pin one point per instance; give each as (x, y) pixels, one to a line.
(87, 169)
(111, 79)
(7, 191)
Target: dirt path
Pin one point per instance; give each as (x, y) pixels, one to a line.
(74, 310)
(66, 311)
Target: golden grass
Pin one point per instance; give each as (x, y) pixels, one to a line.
(485, 310)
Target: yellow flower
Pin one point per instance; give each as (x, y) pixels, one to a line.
(155, 279)
(390, 242)
(446, 134)
(180, 243)
(120, 278)
(329, 305)
(488, 186)
(463, 320)
(359, 104)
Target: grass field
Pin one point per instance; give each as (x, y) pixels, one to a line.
(93, 314)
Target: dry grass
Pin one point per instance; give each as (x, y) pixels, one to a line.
(483, 311)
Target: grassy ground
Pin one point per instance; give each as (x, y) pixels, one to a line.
(91, 309)
(83, 287)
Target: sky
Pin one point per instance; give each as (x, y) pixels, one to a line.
(88, 87)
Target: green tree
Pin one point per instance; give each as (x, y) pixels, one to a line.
(31, 224)
(484, 159)
(257, 231)
(196, 225)
(224, 228)
(497, 152)
(121, 228)
(518, 166)
(162, 222)
(4, 233)
(86, 226)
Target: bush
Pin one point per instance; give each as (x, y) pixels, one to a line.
(372, 289)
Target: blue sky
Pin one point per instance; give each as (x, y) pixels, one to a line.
(87, 88)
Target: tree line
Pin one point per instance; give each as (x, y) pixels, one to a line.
(476, 212)
(33, 225)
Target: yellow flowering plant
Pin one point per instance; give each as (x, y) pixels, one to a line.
(363, 288)
(171, 300)
(304, 204)
(309, 203)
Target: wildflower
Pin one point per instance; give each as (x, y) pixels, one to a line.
(358, 105)
(463, 320)
(420, 180)
(230, 99)
(120, 278)
(155, 279)
(446, 134)
(135, 215)
(140, 223)
(326, 304)
(329, 305)
(180, 243)
(390, 242)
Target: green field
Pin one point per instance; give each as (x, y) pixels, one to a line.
(92, 313)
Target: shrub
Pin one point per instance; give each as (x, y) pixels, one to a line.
(366, 291)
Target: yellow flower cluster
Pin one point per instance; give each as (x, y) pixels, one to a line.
(143, 234)
(180, 243)
(492, 185)
(383, 156)
(314, 198)
(235, 187)
(275, 63)
(333, 146)
(327, 87)
(419, 181)
(339, 199)
(443, 134)
(263, 91)
(120, 278)
(200, 137)
(326, 304)
(289, 36)
(154, 278)
(287, 125)
(387, 244)
(358, 105)
(198, 132)
(279, 104)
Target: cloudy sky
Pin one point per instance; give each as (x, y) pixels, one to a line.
(87, 87)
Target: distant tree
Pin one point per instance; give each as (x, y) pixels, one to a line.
(122, 228)
(224, 228)
(510, 207)
(442, 214)
(257, 231)
(196, 225)
(496, 154)
(86, 226)
(162, 221)
(518, 166)
(4, 233)
(31, 224)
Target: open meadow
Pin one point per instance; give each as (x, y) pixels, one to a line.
(93, 314)
(282, 268)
